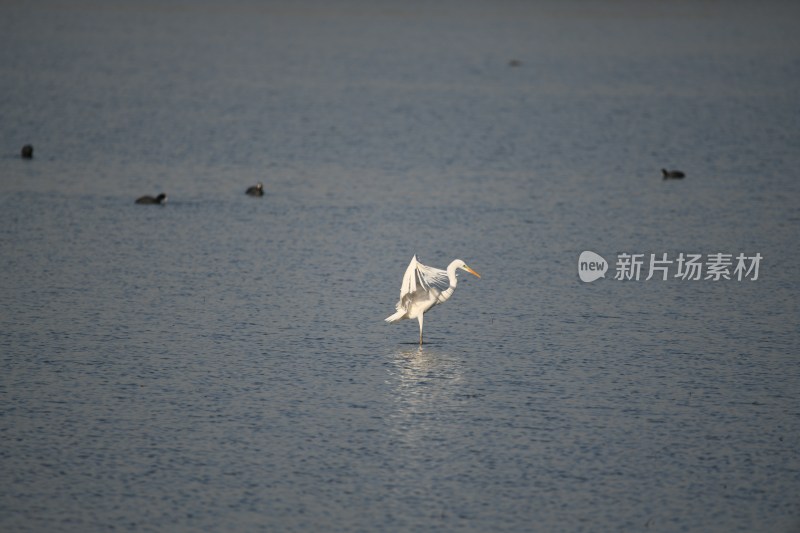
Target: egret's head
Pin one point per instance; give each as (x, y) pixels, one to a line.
(463, 266)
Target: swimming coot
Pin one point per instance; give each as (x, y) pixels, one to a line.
(161, 199)
(26, 152)
(255, 190)
(672, 174)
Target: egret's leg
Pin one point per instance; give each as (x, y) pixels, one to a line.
(420, 327)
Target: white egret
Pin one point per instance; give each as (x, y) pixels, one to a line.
(423, 287)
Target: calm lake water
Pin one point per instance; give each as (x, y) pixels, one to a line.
(221, 363)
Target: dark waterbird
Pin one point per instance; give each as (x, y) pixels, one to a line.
(672, 174)
(26, 152)
(256, 190)
(161, 199)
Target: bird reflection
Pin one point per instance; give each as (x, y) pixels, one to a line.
(426, 386)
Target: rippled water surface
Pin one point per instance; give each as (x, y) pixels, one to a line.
(221, 363)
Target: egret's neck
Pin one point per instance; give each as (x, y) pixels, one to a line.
(451, 275)
(448, 292)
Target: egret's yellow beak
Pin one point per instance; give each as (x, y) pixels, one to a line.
(468, 269)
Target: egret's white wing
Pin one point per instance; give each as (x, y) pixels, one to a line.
(433, 277)
(409, 284)
(418, 280)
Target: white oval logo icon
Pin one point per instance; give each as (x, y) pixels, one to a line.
(591, 266)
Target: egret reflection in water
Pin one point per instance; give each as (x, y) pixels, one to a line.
(427, 383)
